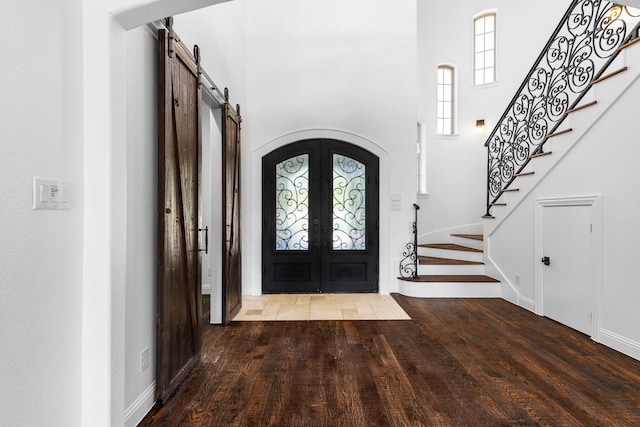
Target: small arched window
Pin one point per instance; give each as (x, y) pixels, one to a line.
(484, 49)
(446, 105)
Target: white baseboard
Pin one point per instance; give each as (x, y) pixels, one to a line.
(527, 303)
(206, 289)
(140, 407)
(507, 290)
(622, 344)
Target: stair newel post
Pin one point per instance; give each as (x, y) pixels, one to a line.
(488, 214)
(409, 263)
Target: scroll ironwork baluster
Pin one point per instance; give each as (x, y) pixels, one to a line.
(409, 264)
(581, 48)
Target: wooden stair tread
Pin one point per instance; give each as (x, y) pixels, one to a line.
(607, 76)
(470, 236)
(451, 278)
(631, 43)
(431, 260)
(450, 247)
(582, 107)
(562, 132)
(535, 156)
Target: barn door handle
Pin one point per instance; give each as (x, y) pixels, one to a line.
(206, 239)
(545, 260)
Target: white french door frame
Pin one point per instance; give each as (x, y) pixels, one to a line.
(595, 202)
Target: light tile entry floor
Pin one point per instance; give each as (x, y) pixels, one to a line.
(320, 307)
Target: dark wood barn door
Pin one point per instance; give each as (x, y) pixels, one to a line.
(320, 218)
(179, 181)
(231, 253)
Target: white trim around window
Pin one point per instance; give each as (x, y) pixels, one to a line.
(484, 47)
(446, 100)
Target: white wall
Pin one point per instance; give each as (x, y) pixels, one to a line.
(602, 163)
(219, 32)
(40, 251)
(456, 165)
(141, 221)
(337, 65)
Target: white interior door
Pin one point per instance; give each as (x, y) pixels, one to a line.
(567, 282)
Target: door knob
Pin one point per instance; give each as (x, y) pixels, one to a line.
(545, 260)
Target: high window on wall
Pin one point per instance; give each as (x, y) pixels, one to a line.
(446, 107)
(484, 49)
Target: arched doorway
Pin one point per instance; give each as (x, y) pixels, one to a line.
(320, 204)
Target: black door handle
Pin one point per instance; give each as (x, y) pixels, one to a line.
(206, 239)
(545, 260)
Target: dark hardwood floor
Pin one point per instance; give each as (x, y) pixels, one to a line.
(467, 362)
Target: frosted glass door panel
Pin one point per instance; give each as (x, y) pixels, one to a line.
(349, 185)
(292, 204)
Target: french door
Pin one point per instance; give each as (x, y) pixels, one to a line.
(320, 218)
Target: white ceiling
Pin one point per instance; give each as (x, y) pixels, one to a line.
(159, 9)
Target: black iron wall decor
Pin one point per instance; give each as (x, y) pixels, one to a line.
(581, 48)
(409, 264)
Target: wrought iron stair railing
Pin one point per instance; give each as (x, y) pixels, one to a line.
(579, 51)
(410, 260)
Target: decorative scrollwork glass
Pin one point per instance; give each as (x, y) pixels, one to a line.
(349, 184)
(583, 45)
(292, 204)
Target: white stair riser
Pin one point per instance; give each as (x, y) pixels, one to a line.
(449, 290)
(431, 269)
(446, 253)
(470, 243)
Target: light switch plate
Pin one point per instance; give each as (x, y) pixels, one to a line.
(51, 194)
(396, 202)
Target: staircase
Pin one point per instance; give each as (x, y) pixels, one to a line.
(623, 72)
(451, 270)
(585, 66)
